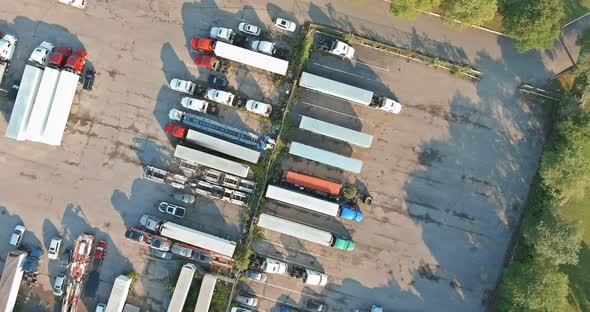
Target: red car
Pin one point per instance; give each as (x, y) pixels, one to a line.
(99, 252)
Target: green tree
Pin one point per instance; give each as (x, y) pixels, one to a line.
(558, 241)
(469, 12)
(411, 8)
(532, 287)
(534, 23)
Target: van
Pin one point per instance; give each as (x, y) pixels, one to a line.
(58, 285)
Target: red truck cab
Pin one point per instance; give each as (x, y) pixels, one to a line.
(202, 44)
(207, 61)
(58, 58)
(176, 131)
(77, 61)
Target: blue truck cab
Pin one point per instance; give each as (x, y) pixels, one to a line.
(350, 214)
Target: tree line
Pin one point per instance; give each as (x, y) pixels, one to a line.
(531, 23)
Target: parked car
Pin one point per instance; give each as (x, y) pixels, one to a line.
(58, 285)
(172, 209)
(265, 47)
(287, 309)
(185, 198)
(161, 254)
(249, 29)
(315, 305)
(246, 300)
(285, 24)
(101, 307)
(218, 83)
(181, 251)
(238, 309)
(80, 4)
(67, 257)
(12, 93)
(99, 252)
(17, 235)
(89, 79)
(255, 276)
(201, 257)
(54, 247)
(160, 243)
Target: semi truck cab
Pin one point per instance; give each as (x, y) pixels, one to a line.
(223, 34)
(341, 243)
(386, 104)
(183, 86)
(7, 47)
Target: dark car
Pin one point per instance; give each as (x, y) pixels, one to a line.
(161, 254)
(14, 90)
(89, 79)
(315, 305)
(67, 257)
(217, 83)
(31, 263)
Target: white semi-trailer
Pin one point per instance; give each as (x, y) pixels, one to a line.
(349, 93)
(23, 105)
(189, 236)
(304, 232)
(183, 284)
(12, 275)
(119, 294)
(250, 58)
(194, 157)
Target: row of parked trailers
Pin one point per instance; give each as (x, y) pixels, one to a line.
(183, 284)
(45, 95)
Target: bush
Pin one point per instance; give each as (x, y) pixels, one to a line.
(411, 8)
(220, 297)
(242, 256)
(469, 12)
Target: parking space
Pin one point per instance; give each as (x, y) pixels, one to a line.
(448, 177)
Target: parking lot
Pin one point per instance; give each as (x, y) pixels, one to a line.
(449, 175)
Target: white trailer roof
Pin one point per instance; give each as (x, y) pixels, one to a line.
(119, 294)
(19, 119)
(60, 108)
(336, 132)
(200, 158)
(302, 200)
(335, 88)
(198, 238)
(183, 284)
(295, 229)
(206, 293)
(325, 157)
(42, 104)
(251, 58)
(223, 146)
(12, 275)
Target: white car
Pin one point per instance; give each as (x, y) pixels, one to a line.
(285, 24)
(238, 309)
(172, 209)
(249, 29)
(17, 235)
(54, 246)
(101, 307)
(265, 47)
(246, 300)
(80, 4)
(58, 286)
(259, 108)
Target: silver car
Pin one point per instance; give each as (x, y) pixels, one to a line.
(249, 29)
(59, 285)
(246, 300)
(181, 251)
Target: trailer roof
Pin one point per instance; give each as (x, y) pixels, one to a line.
(42, 104)
(200, 158)
(60, 108)
(198, 238)
(11, 279)
(313, 183)
(23, 105)
(119, 293)
(183, 284)
(336, 132)
(335, 88)
(325, 157)
(223, 146)
(295, 229)
(251, 58)
(206, 292)
(301, 200)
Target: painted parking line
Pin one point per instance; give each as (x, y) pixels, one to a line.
(298, 250)
(278, 301)
(370, 65)
(288, 289)
(331, 110)
(345, 72)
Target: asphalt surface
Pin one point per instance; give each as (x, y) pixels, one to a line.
(93, 181)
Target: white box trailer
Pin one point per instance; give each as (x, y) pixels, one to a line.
(60, 108)
(198, 238)
(23, 105)
(295, 229)
(325, 157)
(42, 104)
(12, 275)
(336, 132)
(119, 294)
(183, 285)
(206, 293)
(195, 157)
(301, 200)
(223, 146)
(251, 58)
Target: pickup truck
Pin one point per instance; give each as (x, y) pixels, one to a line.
(336, 47)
